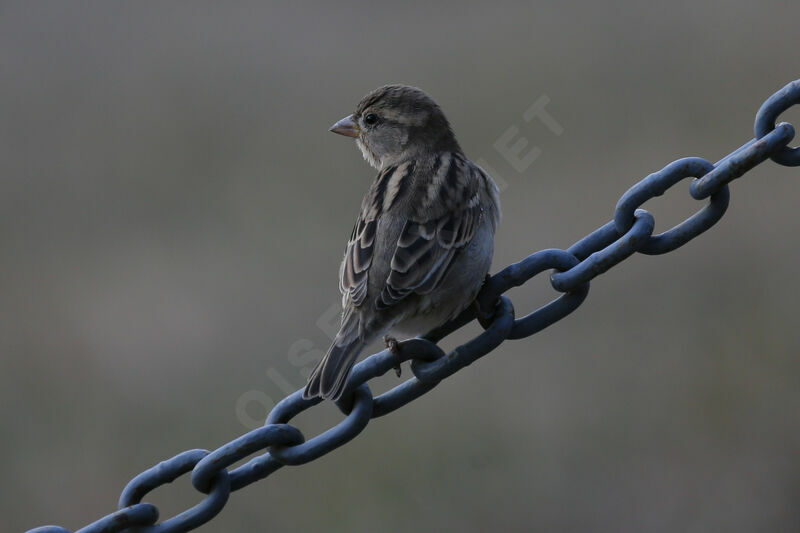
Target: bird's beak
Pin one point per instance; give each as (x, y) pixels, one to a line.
(346, 127)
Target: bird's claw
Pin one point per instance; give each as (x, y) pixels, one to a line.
(393, 346)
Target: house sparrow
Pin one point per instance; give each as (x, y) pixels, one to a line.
(423, 241)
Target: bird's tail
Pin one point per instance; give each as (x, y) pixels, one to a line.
(330, 375)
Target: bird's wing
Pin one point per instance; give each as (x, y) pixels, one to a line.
(443, 223)
(424, 253)
(439, 225)
(354, 272)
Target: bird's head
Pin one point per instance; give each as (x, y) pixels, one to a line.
(395, 123)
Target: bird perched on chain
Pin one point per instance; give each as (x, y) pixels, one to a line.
(423, 241)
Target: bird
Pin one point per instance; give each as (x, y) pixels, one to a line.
(423, 241)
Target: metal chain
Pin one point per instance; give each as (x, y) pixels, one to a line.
(629, 232)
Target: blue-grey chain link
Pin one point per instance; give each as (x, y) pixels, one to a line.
(630, 231)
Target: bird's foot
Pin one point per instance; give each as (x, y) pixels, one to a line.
(394, 347)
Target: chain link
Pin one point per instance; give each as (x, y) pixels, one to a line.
(630, 231)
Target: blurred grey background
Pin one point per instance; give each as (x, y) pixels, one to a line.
(173, 211)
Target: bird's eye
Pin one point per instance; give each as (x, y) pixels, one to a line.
(370, 119)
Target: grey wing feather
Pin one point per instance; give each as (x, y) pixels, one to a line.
(439, 227)
(424, 252)
(354, 271)
(426, 248)
(353, 276)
